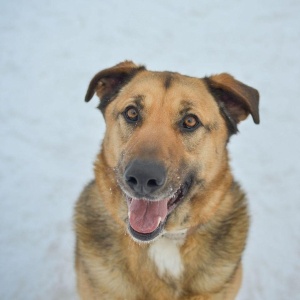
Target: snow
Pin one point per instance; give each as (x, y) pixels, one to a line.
(49, 136)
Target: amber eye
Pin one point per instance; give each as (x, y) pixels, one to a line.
(131, 114)
(190, 122)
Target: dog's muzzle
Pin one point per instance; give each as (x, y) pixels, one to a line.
(147, 210)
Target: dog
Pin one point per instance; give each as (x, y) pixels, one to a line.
(164, 218)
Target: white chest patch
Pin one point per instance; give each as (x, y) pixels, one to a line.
(166, 255)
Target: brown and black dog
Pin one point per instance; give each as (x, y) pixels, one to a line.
(164, 218)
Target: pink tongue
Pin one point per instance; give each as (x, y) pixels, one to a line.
(145, 216)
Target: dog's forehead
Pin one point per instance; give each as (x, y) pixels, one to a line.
(168, 87)
(173, 91)
(164, 81)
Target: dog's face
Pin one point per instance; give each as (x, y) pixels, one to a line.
(166, 141)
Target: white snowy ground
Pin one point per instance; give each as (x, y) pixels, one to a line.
(49, 136)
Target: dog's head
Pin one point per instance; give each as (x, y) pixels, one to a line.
(166, 141)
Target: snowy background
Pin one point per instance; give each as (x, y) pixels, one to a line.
(49, 136)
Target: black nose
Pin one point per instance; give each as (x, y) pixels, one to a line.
(145, 177)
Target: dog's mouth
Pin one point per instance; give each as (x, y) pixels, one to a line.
(147, 218)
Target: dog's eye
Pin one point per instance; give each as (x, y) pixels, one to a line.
(131, 114)
(190, 122)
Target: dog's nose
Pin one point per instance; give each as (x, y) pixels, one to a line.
(145, 177)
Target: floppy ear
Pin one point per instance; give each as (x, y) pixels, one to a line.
(108, 82)
(238, 99)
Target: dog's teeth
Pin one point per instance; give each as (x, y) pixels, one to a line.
(158, 221)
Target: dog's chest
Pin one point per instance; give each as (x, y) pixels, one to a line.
(165, 253)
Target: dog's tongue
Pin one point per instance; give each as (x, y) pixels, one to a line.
(145, 216)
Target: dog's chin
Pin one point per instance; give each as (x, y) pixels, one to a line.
(146, 237)
(147, 218)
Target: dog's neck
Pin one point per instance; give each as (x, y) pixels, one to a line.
(178, 236)
(165, 253)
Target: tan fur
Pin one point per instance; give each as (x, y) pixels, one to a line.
(109, 263)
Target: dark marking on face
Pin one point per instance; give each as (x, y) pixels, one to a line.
(186, 107)
(168, 81)
(210, 127)
(139, 101)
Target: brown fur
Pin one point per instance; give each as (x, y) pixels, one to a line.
(109, 263)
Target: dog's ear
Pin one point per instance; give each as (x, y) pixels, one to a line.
(108, 82)
(238, 99)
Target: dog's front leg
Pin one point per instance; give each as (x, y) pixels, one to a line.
(228, 293)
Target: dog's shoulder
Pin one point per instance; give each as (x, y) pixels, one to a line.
(92, 220)
(86, 200)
